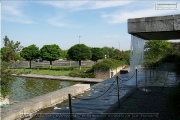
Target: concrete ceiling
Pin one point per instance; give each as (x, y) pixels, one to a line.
(155, 28)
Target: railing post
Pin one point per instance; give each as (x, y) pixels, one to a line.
(70, 107)
(136, 79)
(118, 91)
(145, 78)
(150, 74)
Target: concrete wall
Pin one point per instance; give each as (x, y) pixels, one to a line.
(29, 106)
(155, 28)
(105, 74)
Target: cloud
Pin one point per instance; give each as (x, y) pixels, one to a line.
(107, 4)
(11, 12)
(82, 5)
(59, 21)
(122, 16)
(56, 22)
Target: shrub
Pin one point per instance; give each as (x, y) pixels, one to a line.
(82, 73)
(106, 64)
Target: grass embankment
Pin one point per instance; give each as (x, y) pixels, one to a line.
(44, 70)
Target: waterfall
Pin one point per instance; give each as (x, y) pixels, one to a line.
(137, 53)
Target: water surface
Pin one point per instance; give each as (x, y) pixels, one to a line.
(25, 88)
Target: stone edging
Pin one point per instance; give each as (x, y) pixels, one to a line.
(15, 111)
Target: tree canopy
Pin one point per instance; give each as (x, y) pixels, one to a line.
(30, 53)
(97, 53)
(156, 49)
(10, 50)
(9, 54)
(111, 52)
(50, 53)
(79, 52)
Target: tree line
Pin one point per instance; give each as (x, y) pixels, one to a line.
(79, 52)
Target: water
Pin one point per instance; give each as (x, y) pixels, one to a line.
(137, 53)
(25, 88)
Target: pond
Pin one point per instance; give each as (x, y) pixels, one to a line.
(25, 88)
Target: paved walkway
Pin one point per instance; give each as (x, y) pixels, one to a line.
(141, 105)
(102, 97)
(93, 80)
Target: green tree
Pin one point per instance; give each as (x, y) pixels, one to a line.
(111, 52)
(63, 54)
(6, 79)
(10, 50)
(50, 53)
(155, 50)
(79, 52)
(30, 53)
(97, 53)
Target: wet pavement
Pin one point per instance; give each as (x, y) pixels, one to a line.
(99, 99)
(102, 97)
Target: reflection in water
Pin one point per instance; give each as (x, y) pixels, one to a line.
(25, 88)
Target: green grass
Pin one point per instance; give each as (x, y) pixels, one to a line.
(44, 70)
(41, 72)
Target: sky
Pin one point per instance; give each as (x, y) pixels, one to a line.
(99, 22)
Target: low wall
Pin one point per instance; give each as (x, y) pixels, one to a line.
(16, 111)
(105, 74)
(117, 70)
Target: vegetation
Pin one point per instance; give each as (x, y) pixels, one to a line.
(63, 54)
(107, 64)
(10, 51)
(155, 50)
(110, 52)
(84, 73)
(79, 52)
(50, 53)
(30, 53)
(56, 70)
(97, 53)
(9, 55)
(6, 79)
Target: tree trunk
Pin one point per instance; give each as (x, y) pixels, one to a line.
(30, 63)
(80, 65)
(50, 64)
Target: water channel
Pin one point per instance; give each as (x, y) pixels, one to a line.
(25, 88)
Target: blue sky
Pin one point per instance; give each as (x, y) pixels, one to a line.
(99, 22)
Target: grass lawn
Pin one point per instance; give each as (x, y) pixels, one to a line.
(44, 70)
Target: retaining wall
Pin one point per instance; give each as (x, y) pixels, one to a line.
(16, 111)
(105, 74)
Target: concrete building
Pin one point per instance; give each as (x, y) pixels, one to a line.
(155, 28)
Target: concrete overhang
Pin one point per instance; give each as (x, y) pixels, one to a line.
(155, 28)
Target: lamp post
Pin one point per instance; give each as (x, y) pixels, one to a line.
(119, 46)
(79, 38)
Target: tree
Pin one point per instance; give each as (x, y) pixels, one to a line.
(97, 53)
(111, 52)
(30, 53)
(79, 52)
(10, 50)
(126, 56)
(9, 55)
(156, 49)
(50, 53)
(6, 79)
(63, 54)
